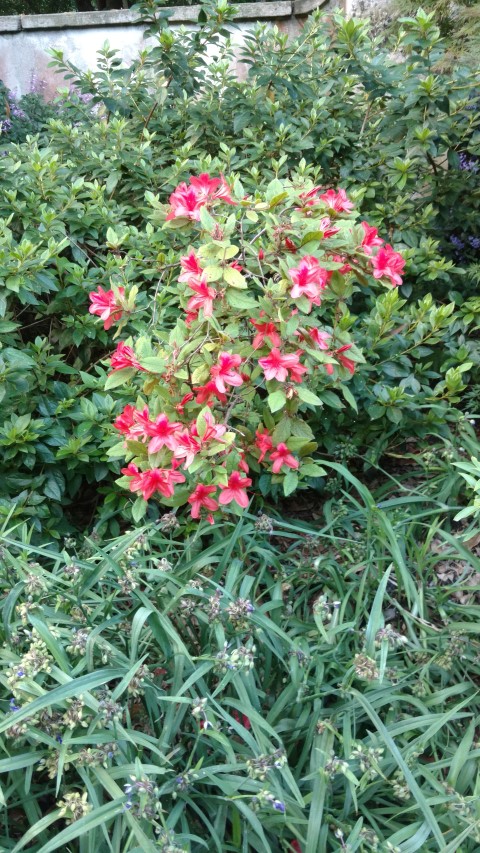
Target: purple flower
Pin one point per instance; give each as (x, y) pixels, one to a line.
(455, 241)
(13, 705)
(468, 164)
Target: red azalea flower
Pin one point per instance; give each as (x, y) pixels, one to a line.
(161, 480)
(186, 448)
(206, 392)
(125, 420)
(281, 456)
(320, 338)
(276, 365)
(164, 434)
(310, 198)
(124, 356)
(141, 426)
(187, 200)
(190, 266)
(211, 189)
(223, 373)
(290, 245)
(235, 490)
(328, 229)
(265, 330)
(184, 201)
(200, 498)
(343, 269)
(370, 238)
(388, 264)
(337, 201)
(263, 442)
(309, 279)
(204, 298)
(213, 431)
(342, 359)
(106, 305)
(180, 407)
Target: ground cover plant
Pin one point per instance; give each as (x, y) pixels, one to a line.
(259, 685)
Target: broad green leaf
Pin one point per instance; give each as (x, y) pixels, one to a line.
(234, 278)
(276, 400)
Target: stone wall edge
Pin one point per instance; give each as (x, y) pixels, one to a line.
(124, 17)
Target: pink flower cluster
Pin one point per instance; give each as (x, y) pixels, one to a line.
(309, 279)
(180, 445)
(188, 199)
(386, 263)
(267, 356)
(279, 454)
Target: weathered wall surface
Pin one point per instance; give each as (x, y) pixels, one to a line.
(25, 39)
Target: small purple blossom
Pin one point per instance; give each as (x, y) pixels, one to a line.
(467, 163)
(13, 705)
(36, 86)
(15, 110)
(455, 241)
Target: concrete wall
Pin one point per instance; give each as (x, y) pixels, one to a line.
(25, 39)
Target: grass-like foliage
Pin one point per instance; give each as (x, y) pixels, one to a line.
(257, 686)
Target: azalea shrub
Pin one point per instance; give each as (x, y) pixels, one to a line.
(224, 397)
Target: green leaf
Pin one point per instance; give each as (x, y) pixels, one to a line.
(276, 400)
(282, 431)
(348, 396)
(310, 469)
(331, 399)
(241, 301)
(290, 482)
(208, 222)
(139, 509)
(274, 188)
(308, 396)
(234, 278)
(112, 237)
(86, 824)
(153, 364)
(112, 182)
(202, 421)
(54, 486)
(119, 377)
